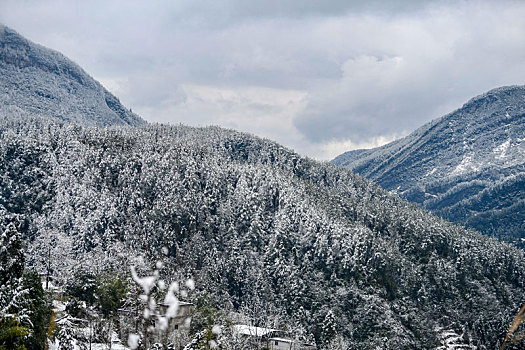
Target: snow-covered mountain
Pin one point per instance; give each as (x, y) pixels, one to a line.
(468, 166)
(35, 80)
(263, 232)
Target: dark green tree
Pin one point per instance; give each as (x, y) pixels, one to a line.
(83, 287)
(11, 255)
(39, 304)
(12, 292)
(12, 334)
(110, 294)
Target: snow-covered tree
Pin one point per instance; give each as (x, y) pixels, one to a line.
(12, 291)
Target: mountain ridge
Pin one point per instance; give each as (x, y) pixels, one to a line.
(453, 161)
(40, 81)
(262, 231)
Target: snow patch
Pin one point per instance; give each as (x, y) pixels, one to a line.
(465, 166)
(501, 151)
(431, 172)
(147, 283)
(133, 341)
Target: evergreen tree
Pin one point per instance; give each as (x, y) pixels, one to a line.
(11, 255)
(259, 228)
(39, 305)
(11, 271)
(329, 327)
(12, 334)
(24, 306)
(12, 292)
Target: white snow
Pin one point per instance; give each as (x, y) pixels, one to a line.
(52, 345)
(216, 329)
(133, 341)
(190, 284)
(147, 283)
(452, 340)
(171, 300)
(251, 330)
(58, 306)
(466, 165)
(501, 150)
(431, 172)
(98, 346)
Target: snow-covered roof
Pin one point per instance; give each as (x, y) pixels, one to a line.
(252, 330)
(181, 303)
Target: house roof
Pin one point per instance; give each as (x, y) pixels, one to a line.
(258, 331)
(181, 303)
(252, 330)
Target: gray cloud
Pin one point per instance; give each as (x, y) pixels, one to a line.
(318, 76)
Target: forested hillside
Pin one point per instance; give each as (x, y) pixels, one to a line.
(468, 166)
(37, 81)
(261, 230)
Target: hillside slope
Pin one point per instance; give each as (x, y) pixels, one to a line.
(468, 166)
(263, 232)
(35, 80)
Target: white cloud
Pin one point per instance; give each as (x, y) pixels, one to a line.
(403, 71)
(263, 111)
(331, 149)
(315, 76)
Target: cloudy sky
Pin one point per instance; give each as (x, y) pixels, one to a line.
(321, 77)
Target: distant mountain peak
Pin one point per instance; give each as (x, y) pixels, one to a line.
(40, 81)
(503, 100)
(500, 92)
(467, 166)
